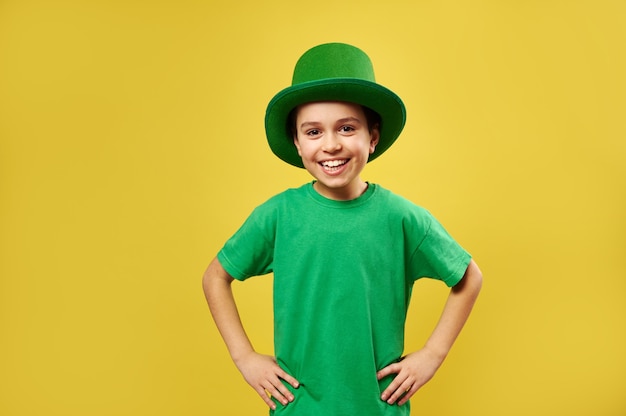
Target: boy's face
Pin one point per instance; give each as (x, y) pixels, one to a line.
(334, 142)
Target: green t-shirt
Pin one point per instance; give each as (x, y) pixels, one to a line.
(343, 274)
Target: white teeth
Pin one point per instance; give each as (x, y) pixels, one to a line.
(333, 163)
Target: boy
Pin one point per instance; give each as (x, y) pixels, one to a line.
(344, 252)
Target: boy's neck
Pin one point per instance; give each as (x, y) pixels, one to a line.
(341, 194)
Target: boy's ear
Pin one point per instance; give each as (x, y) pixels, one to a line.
(297, 144)
(375, 138)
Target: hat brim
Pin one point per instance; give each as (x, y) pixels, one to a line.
(369, 94)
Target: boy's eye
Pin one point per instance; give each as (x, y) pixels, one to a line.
(312, 132)
(346, 129)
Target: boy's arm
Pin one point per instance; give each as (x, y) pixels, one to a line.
(260, 371)
(417, 368)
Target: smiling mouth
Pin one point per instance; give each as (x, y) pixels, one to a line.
(333, 165)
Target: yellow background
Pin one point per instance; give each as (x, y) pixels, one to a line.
(132, 146)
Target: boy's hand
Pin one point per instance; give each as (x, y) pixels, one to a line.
(412, 372)
(265, 376)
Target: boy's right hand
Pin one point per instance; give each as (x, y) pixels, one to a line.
(265, 376)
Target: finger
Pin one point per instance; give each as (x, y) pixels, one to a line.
(275, 391)
(266, 398)
(408, 394)
(394, 393)
(289, 379)
(284, 391)
(392, 388)
(390, 369)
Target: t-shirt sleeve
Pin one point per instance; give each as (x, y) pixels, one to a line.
(250, 251)
(438, 255)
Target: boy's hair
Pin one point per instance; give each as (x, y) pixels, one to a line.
(372, 118)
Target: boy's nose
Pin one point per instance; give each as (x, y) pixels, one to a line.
(331, 144)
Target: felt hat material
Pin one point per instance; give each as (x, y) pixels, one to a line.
(332, 72)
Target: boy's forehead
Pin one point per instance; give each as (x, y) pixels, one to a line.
(330, 108)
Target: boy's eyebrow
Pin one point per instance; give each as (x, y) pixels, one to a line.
(309, 124)
(340, 121)
(349, 119)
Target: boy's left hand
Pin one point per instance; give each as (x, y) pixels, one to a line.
(412, 372)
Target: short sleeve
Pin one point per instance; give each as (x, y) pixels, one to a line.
(250, 251)
(439, 256)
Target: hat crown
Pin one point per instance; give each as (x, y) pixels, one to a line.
(333, 60)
